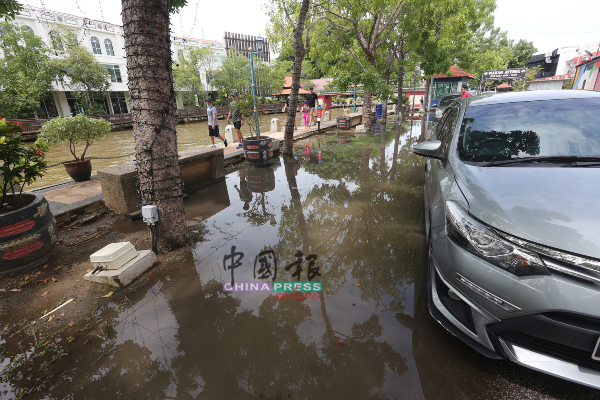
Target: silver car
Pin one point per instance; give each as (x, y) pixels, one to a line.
(512, 201)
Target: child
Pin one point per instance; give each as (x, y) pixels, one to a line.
(305, 113)
(213, 122)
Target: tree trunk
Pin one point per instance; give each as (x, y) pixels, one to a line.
(426, 97)
(299, 51)
(367, 102)
(150, 80)
(290, 173)
(401, 81)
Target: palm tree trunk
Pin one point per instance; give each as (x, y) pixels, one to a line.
(366, 118)
(299, 51)
(150, 81)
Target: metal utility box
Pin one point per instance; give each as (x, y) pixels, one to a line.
(343, 122)
(114, 255)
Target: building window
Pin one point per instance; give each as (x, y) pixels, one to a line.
(56, 44)
(77, 108)
(96, 45)
(109, 47)
(219, 62)
(115, 73)
(209, 77)
(119, 104)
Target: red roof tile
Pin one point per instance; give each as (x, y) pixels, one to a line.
(456, 73)
(503, 86)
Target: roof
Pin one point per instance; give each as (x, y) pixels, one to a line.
(456, 73)
(287, 92)
(320, 83)
(533, 95)
(503, 86)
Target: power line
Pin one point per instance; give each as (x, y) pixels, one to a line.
(553, 34)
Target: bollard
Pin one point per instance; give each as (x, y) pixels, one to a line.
(359, 110)
(229, 129)
(275, 125)
(345, 111)
(326, 117)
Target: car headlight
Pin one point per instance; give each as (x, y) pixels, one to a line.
(482, 241)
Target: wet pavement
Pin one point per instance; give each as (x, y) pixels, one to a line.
(346, 212)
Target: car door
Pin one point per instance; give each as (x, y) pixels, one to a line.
(440, 172)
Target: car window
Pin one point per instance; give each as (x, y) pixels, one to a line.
(568, 127)
(445, 133)
(448, 99)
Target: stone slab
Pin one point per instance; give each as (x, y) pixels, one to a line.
(72, 194)
(123, 276)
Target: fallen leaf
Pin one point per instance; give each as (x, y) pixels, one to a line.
(45, 293)
(16, 290)
(6, 327)
(2, 290)
(45, 266)
(51, 318)
(47, 342)
(39, 272)
(62, 314)
(56, 280)
(340, 343)
(108, 294)
(358, 284)
(45, 281)
(71, 323)
(27, 278)
(19, 343)
(196, 231)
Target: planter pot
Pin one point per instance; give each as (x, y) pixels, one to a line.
(79, 171)
(259, 151)
(260, 180)
(28, 236)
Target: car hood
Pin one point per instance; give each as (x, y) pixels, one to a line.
(556, 207)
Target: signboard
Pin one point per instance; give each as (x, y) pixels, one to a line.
(319, 113)
(503, 74)
(564, 77)
(196, 99)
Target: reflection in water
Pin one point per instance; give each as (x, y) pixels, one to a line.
(368, 335)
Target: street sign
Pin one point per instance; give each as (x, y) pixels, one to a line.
(502, 74)
(319, 113)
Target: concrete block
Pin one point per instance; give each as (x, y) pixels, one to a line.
(326, 116)
(275, 125)
(127, 273)
(360, 129)
(359, 110)
(229, 133)
(120, 188)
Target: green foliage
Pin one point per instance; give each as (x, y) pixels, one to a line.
(521, 85)
(9, 9)
(187, 78)
(80, 70)
(21, 165)
(75, 130)
(26, 71)
(245, 104)
(234, 75)
(521, 53)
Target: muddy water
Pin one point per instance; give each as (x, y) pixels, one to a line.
(348, 215)
(120, 143)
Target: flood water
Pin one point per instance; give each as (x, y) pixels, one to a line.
(120, 143)
(348, 214)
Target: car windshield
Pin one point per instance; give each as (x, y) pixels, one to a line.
(446, 100)
(569, 127)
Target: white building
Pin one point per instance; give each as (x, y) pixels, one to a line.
(106, 42)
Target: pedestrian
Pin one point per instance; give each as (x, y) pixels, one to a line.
(243, 191)
(422, 108)
(305, 112)
(213, 122)
(238, 118)
(312, 99)
(465, 91)
(287, 104)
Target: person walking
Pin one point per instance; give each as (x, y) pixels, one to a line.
(287, 104)
(465, 91)
(305, 112)
(243, 191)
(238, 118)
(312, 99)
(213, 122)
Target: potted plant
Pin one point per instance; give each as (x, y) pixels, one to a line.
(27, 228)
(76, 130)
(258, 150)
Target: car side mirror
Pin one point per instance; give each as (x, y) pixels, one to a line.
(430, 148)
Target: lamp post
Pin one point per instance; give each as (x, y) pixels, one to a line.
(259, 48)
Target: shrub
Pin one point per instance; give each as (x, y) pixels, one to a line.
(75, 130)
(21, 165)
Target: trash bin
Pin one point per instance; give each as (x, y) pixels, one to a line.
(379, 109)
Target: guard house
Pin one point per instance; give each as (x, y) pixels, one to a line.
(447, 83)
(287, 89)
